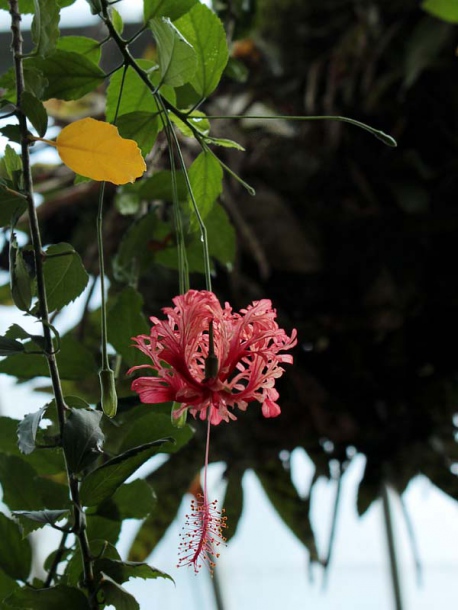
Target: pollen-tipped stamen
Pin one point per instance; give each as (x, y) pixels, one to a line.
(203, 530)
(202, 535)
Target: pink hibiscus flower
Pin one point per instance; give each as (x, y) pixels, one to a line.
(212, 360)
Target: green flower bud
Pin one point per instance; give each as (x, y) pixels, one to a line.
(109, 398)
(180, 421)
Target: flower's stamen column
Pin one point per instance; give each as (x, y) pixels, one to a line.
(203, 531)
(211, 361)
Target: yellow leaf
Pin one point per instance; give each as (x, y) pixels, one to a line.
(95, 149)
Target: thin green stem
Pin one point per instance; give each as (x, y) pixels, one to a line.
(103, 306)
(183, 270)
(230, 171)
(137, 34)
(99, 227)
(202, 227)
(380, 135)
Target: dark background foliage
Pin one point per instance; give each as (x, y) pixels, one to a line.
(355, 243)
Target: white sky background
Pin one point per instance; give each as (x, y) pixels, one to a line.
(265, 566)
(79, 14)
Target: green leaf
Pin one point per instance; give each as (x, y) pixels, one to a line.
(134, 500)
(75, 362)
(197, 119)
(45, 26)
(222, 244)
(224, 142)
(21, 282)
(12, 163)
(177, 58)
(52, 598)
(27, 430)
(89, 47)
(135, 255)
(82, 439)
(291, 508)
(117, 20)
(65, 275)
(166, 8)
(187, 97)
(69, 75)
(443, 9)
(127, 200)
(126, 320)
(205, 32)
(15, 553)
(12, 204)
(96, 6)
(7, 586)
(142, 127)
(100, 548)
(136, 95)
(152, 424)
(221, 235)
(10, 346)
(102, 482)
(23, 489)
(113, 594)
(160, 186)
(47, 462)
(16, 332)
(75, 402)
(34, 82)
(206, 177)
(8, 438)
(104, 529)
(35, 112)
(19, 483)
(12, 132)
(30, 520)
(5, 295)
(122, 571)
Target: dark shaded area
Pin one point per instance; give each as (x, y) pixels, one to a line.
(360, 247)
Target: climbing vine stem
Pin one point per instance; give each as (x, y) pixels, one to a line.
(43, 311)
